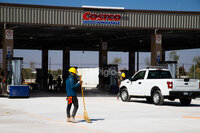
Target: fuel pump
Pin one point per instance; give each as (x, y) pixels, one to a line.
(110, 78)
(14, 78)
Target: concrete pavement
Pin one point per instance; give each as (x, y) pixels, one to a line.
(47, 115)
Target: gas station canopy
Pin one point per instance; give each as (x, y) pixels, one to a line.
(38, 27)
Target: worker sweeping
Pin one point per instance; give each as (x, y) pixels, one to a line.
(71, 84)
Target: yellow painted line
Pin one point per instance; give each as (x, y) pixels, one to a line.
(71, 124)
(191, 117)
(31, 115)
(48, 119)
(83, 127)
(79, 117)
(59, 121)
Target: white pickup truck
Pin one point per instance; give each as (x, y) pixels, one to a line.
(156, 84)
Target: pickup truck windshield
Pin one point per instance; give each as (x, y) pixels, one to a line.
(159, 74)
(139, 75)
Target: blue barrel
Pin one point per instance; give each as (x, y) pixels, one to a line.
(19, 91)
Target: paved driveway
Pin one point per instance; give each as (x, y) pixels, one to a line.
(47, 115)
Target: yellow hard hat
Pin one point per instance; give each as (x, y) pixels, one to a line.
(73, 70)
(123, 75)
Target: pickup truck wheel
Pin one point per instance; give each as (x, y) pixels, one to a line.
(185, 101)
(158, 99)
(125, 96)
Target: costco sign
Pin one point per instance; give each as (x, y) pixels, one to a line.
(93, 18)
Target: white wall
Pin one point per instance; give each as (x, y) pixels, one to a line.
(89, 77)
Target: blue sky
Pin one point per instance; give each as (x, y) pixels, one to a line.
(88, 59)
(185, 5)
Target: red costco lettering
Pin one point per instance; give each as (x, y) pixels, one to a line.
(100, 17)
(93, 17)
(105, 16)
(85, 16)
(117, 17)
(109, 17)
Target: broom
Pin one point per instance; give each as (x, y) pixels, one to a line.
(86, 118)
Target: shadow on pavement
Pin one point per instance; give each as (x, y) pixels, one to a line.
(92, 120)
(87, 93)
(167, 103)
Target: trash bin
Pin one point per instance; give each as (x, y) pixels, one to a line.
(19, 91)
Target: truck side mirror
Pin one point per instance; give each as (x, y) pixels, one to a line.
(130, 79)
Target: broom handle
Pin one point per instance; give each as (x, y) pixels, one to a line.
(82, 94)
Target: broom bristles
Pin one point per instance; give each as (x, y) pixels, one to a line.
(86, 118)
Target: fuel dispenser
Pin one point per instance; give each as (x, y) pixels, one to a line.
(14, 78)
(172, 66)
(110, 78)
